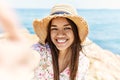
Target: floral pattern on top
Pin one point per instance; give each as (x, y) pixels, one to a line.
(45, 69)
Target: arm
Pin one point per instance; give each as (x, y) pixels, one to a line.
(17, 60)
(9, 20)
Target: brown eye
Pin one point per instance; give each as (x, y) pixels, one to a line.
(53, 29)
(67, 28)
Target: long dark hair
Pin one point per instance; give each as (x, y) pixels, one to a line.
(75, 48)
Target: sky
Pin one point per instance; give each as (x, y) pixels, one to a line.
(82, 4)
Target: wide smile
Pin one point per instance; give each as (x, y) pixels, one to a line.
(61, 41)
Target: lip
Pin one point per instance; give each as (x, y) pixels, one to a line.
(61, 41)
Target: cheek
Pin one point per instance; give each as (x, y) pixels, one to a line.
(52, 35)
(72, 38)
(70, 34)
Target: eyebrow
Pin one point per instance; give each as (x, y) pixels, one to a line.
(67, 24)
(53, 26)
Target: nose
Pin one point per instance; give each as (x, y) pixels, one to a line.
(60, 33)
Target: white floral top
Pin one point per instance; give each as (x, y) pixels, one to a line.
(45, 68)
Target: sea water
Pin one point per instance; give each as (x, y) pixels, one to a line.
(104, 25)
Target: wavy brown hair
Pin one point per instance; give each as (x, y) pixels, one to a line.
(75, 48)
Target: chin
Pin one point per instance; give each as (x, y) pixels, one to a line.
(62, 48)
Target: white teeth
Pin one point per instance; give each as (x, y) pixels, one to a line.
(61, 40)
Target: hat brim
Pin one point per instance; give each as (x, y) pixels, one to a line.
(40, 26)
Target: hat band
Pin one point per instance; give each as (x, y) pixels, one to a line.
(60, 12)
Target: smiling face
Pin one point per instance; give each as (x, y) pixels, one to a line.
(61, 33)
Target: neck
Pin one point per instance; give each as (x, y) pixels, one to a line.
(64, 59)
(62, 54)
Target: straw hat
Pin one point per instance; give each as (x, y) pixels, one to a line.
(60, 10)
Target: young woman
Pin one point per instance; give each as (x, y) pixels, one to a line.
(59, 51)
(61, 36)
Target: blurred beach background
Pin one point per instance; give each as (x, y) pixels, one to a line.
(103, 17)
(104, 25)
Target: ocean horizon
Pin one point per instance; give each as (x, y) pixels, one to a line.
(103, 24)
